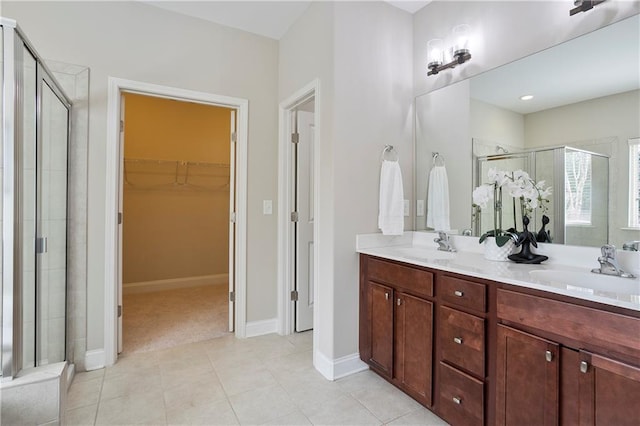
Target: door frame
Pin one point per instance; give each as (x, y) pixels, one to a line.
(286, 312)
(116, 86)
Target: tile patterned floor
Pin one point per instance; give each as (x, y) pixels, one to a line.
(225, 381)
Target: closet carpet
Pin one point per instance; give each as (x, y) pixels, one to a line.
(168, 318)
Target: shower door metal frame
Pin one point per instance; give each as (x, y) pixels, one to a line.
(14, 43)
(44, 76)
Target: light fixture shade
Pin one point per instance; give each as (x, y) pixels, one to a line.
(435, 53)
(461, 36)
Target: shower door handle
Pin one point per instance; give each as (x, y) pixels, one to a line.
(41, 245)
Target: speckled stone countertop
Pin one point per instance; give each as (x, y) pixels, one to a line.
(569, 279)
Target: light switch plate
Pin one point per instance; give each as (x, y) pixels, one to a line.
(420, 208)
(267, 207)
(406, 207)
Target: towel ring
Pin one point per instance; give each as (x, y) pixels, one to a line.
(436, 157)
(389, 149)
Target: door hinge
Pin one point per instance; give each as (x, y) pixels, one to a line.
(294, 216)
(121, 125)
(232, 296)
(232, 217)
(119, 218)
(41, 245)
(119, 311)
(234, 137)
(295, 137)
(294, 295)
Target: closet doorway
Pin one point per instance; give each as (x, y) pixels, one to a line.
(176, 204)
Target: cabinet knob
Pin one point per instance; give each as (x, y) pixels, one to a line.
(458, 340)
(584, 366)
(399, 301)
(458, 293)
(457, 400)
(548, 355)
(386, 295)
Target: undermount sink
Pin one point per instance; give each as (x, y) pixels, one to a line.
(588, 280)
(424, 253)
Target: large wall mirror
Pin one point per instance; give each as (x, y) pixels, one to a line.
(585, 111)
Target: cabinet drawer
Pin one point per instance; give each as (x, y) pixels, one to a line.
(461, 397)
(462, 340)
(615, 332)
(410, 279)
(463, 293)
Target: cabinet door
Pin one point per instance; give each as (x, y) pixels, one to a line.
(414, 345)
(609, 391)
(527, 379)
(380, 301)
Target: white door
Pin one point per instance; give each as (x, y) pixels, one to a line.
(120, 220)
(303, 228)
(232, 220)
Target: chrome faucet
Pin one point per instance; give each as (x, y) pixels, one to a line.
(443, 242)
(609, 263)
(631, 246)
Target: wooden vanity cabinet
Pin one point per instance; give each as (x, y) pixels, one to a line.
(527, 379)
(481, 352)
(461, 330)
(396, 324)
(544, 381)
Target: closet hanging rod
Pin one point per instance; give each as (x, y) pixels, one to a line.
(178, 162)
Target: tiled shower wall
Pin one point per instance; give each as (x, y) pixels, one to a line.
(74, 80)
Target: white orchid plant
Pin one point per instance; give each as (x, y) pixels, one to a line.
(518, 185)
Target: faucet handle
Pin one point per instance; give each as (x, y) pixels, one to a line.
(608, 251)
(442, 235)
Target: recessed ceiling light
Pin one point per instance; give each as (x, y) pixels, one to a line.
(526, 97)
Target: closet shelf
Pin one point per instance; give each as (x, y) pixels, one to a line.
(148, 161)
(155, 174)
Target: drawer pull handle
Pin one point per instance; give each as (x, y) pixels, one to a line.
(457, 400)
(457, 340)
(386, 295)
(584, 366)
(458, 293)
(399, 301)
(548, 355)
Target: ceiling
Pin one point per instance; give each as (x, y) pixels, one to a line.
(266, 18)
(603, 62)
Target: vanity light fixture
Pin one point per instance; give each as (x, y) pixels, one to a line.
(459, 50)
(526, 97)
(584, 5)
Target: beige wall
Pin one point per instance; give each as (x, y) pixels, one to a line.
(175, 230)
(135, 41)
(306, 53)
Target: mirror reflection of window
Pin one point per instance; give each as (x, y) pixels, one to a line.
(634, 183)
(577, 188)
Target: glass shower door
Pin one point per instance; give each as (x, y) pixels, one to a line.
(51, 228)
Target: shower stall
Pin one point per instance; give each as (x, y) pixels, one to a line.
(579, 205)
(34, 159)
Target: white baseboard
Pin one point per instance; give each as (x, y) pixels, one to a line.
(258, 328)
(340, 367)
(174, 283)
(94, 360)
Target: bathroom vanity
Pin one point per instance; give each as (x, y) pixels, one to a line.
(510, 351)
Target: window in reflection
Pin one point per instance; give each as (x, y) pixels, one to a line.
(634, 183)
(577, 189)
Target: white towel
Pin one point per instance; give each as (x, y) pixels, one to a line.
(438, 200)
(391, 214)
